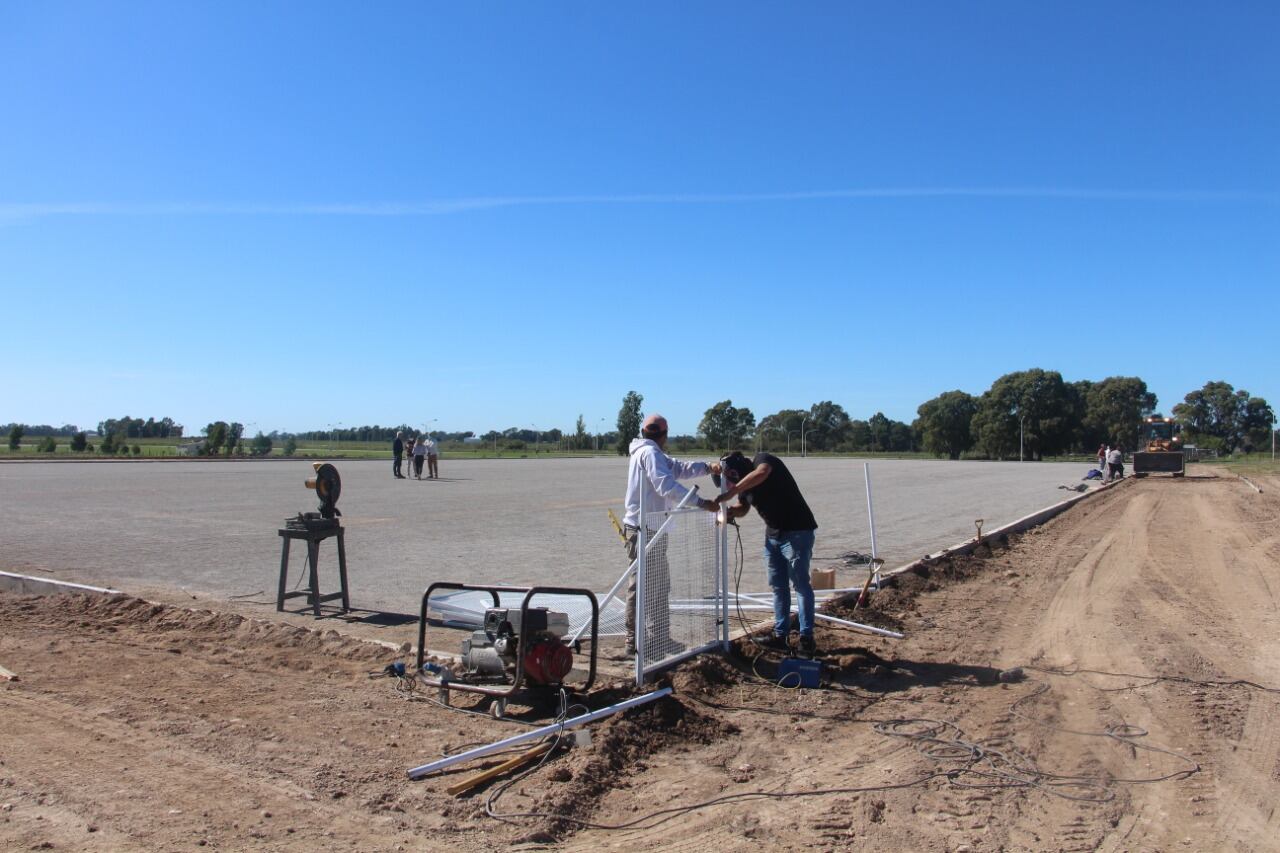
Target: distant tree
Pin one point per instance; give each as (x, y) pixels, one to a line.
(945, 423)
(827, 427)
(15, 436)
(581, 441)
(108, 445)
(261, 445)
(1223, 418)
(1113, 410)
(215, 437)
(726, 426)
(629, 420)
(48, 444)
(137, 450)
(779, 426)
(235, 431)
(290, 446)
(79, 442)
(1256, 423)
(1038, 401)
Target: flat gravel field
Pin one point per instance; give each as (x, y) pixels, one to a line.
(209, 527)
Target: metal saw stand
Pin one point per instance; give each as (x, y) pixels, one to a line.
(313, 539)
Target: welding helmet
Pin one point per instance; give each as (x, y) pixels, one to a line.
(736, 466)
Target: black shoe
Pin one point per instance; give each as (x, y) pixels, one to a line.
(776, 643)
(808, 645)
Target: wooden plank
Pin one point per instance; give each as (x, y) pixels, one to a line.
(510, 764)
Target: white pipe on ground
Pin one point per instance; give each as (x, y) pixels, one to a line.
(870, 629)
(535, 734)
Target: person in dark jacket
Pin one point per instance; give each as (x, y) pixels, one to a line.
(765, 483)
(397, 453)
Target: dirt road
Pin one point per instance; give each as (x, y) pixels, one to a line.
(148, 727)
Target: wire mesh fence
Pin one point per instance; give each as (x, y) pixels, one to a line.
(679, 587)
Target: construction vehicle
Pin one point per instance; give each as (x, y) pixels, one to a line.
(1161, 451)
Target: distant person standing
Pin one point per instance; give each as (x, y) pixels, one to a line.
(397, 455)
(1115, 464)
(419, 454)
(433, 458)
(1102, 457)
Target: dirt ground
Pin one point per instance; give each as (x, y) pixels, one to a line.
(1145, 620)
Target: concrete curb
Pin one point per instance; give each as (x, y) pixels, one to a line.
(1020, 525)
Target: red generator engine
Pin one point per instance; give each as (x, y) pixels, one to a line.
(521, 654)
(495, 649)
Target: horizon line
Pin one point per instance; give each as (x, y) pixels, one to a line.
(438, 207)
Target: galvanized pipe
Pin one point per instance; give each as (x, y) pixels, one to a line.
(535, 734)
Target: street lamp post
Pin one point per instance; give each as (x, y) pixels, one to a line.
(804, 440)
(790, 433)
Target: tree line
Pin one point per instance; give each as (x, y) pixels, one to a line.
(1030, 413)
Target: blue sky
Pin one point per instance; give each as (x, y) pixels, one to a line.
(491, 215)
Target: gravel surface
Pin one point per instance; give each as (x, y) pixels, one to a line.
(210, 527)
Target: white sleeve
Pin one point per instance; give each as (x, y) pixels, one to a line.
(688, 470)
(664, 477)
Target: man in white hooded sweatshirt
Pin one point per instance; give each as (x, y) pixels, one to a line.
(653, 471)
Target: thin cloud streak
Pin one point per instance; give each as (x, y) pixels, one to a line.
(440, 207)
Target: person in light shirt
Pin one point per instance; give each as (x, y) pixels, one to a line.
(650, 469)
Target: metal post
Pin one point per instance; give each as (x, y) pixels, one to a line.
(724, 569)
(871, 515)
(804, 444)
(641, 561)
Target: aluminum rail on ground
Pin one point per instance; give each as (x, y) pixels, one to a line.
(858, 626)
(525, 737)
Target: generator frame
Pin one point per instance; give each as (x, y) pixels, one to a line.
(513, 691)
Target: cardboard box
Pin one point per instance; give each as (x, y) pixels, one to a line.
(823, 578)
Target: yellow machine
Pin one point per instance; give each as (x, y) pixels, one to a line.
(1161, 452)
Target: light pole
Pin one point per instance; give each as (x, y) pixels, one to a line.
(790, 433)
(804, 442)
(536, 438)
(1022, 420)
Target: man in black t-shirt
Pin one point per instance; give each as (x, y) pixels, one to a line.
(765, 483)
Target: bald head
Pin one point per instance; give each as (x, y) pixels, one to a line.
(655, 429)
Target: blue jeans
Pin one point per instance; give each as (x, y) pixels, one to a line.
(787, 557)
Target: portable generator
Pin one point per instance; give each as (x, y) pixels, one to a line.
(518, 654)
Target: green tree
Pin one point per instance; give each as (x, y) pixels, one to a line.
(945, 423)
(290, 446)
(726, 425)
(215, 436)
(1034, 403)
(261, 445)
(1256, 423)
(137, 450)
(775, 430)
(79, 442)
(1113, 411)
(1223, 418)
(235, 431)
(15, 436)
(48, 444)
(629, 420)
(827, 427)
(108, 445)
(581, 441)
